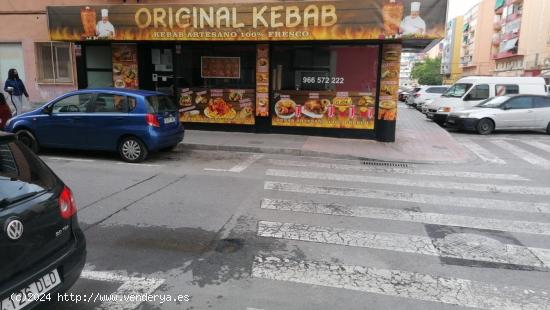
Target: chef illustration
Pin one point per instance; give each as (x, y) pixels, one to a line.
(104, 28)
(413, 24)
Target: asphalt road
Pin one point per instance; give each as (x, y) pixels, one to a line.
(222, 230)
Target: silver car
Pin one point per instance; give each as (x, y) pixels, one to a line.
(513, 112)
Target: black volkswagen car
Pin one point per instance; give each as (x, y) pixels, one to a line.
(42, 248)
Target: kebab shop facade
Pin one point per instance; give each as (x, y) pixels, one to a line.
(309, 67)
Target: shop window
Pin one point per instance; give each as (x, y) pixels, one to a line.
(217, 83)
(329, 86)
(54, 62)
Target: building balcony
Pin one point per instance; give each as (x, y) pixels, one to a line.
(507, 54)
(513, 17)
(509, 36)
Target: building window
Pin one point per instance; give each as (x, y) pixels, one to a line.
(55, 62)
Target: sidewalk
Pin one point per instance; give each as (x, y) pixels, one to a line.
(418, 141)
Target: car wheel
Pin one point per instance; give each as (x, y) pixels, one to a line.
(132, 150)
(28, 139)
(548, 129)
(485, 126)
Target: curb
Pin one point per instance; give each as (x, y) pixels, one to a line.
(298, 152)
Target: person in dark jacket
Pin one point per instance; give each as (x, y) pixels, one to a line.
(5, 112)
(15, 87)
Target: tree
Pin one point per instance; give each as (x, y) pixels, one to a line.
(428, 72)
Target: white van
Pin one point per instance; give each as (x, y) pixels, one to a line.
(469, 91)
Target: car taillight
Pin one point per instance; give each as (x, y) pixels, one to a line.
(152, 120)
(67, 205)
(416, 95)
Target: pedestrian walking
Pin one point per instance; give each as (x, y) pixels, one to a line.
(5, 112)
(15, 87)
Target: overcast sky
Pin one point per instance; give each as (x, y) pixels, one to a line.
(460, 7)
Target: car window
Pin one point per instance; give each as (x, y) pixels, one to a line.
(132, 103)
(501, 90)
(21, 172)
(542, 102)
(457, 90)
(520, 103)
(73, 104)
(160, 104)
(110, 103)
(479, 92)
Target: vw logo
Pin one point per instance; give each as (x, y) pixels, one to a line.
(14, 229)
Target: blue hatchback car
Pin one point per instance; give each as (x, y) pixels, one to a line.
(132, 122)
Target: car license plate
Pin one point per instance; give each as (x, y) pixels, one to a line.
(33, 292)
(451, 121)
(430, 115)
(169, 120)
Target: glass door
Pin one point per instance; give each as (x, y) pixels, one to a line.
(162, 68)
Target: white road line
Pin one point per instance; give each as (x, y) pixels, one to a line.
(240, 167)
(523, 154)
(476, 187)
(398, 283)
(131, 286)
(456, 174)
(140, 165)
(68, 159)
(455, 201)
(468, 247)
(525, 227)
(539, 145)
(482, 153)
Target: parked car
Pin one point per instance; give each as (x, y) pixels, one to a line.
(132, 122)
(404, 93)
(43, 248)
(470, 91)
(511, 112)
(425, 93)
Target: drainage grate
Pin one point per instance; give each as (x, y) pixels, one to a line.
(385, 164)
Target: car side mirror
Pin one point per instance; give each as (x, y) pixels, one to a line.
(505, 107)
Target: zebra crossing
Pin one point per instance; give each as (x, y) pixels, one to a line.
(506, 151)
(421, 199)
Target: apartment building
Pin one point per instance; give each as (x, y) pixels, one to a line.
(521, 38)
(476, 57)
(451, 69)
(408, 60)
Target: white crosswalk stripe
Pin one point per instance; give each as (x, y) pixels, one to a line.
(411, 285)
(523, 154)
(482, 152)
(403, 171)
(537, 144)
(454, 201)
(408, 216)
(446, 247)
(460, 240)
(477, 187)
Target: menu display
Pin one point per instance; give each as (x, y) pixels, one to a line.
(125, 66)
(389, 82)
(262, 80)
(325, 109)
(223, 106)
(220, 67)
